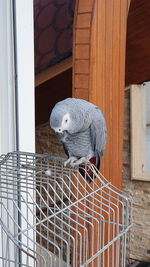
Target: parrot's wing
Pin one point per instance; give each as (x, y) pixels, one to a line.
(98, 131)
(66, 150)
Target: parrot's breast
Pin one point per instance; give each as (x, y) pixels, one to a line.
(79, 144)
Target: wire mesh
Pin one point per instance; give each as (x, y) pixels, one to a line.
(51, 216)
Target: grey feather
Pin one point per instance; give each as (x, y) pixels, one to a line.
(86, 133)
(98, 131)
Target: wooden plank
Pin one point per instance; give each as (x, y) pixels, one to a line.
(82, 36)
(97, 69)
(115, 169)
(81, 66)
(82, 93)
(53, 71)
(81, 81)
(82, 51)
(83, 20)
(85, 6)
(107, 78)
(107, 106)
(123, 25)
(82, 32)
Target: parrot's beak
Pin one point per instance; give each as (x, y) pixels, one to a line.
(60, 135)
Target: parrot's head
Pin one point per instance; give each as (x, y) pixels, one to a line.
(64, 117)
(60, 120)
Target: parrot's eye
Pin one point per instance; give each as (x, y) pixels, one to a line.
(66, 121)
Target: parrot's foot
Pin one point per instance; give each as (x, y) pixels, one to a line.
(70, 161)
(80, 161)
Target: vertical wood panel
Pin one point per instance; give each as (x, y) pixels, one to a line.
(105, 83)
(107, 77)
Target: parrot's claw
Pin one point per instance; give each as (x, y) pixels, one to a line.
(70, 161)
(80, 161)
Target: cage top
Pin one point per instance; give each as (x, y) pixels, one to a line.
(46, 175)
(38, 195)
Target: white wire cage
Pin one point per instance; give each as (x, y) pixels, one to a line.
(51, 216)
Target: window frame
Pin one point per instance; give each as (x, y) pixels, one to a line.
(24, 46)
(17, 97)
(138, 133)
(7, 80)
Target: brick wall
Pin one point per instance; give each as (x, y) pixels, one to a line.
(47, 141)
(139, 237)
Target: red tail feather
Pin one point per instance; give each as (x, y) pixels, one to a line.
(88, 170)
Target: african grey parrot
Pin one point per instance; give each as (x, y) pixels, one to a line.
(81, 128)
